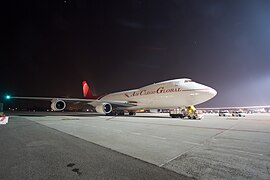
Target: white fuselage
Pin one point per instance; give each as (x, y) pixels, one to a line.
(167, 94)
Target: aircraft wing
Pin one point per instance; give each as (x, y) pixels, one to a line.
(79, 100)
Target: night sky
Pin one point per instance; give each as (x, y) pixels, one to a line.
(49, 47)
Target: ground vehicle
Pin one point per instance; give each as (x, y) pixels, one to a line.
(190, 112)
(238, 114)
(224, 113)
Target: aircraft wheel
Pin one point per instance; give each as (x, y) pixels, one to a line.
(120, 114)
(132, 113)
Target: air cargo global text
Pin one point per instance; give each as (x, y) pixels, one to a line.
(157, 91)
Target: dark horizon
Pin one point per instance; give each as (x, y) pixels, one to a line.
(50, 47)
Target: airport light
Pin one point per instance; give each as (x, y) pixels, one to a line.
(8, 97)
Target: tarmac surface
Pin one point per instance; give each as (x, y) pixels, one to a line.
(146, 146)
(32, 151)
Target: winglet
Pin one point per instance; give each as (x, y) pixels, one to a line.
(87, 93)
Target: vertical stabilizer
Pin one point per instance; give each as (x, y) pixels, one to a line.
(87, 93)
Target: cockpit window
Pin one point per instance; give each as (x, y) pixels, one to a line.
(188, 80)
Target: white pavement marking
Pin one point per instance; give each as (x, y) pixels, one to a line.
(156, 137)
(190, 149)
(135, 133)
(175, 157)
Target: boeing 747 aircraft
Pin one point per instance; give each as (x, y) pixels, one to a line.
(162, 95)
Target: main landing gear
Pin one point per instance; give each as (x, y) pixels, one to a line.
(132, 113)
(121, 113)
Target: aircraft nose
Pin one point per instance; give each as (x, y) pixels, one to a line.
(204, 94)
(212, 92)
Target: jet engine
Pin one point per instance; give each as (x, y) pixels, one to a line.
(104, 108)
(58, 105)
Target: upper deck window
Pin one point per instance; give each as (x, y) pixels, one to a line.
(188, 80)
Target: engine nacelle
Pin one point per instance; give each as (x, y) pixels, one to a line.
(104, 108)
(58, 105)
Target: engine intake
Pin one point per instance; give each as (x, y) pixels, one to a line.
(58, 105)
(104, 108)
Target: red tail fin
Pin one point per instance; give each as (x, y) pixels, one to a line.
(87, 93)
